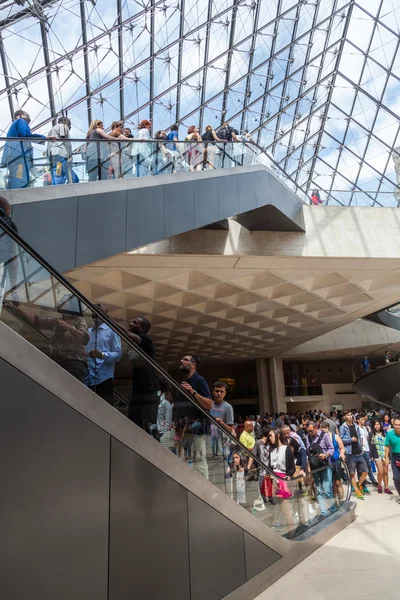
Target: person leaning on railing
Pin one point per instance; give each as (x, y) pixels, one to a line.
(96, 153)
(59, 153)
(209, 149)
(18, 155)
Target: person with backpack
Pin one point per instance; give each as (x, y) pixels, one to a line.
(319, 451)
(59, 153)
(352, 440)
(227, 135)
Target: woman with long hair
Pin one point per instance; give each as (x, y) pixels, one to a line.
(282, 463)
(281, 460)
(377, 444)
(97, 154)
(193, 155)
(209, 148)
(339, 453)
(237, 470)
(142, 150)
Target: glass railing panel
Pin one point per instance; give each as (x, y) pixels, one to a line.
(112, 358)
(104, 160)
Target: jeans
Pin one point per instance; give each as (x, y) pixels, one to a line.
(215, 444)
(367, 458)
(323, 486)
(66, 174)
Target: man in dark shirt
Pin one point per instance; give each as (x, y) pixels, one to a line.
(145, 386)
(197, 386)
(194, 383)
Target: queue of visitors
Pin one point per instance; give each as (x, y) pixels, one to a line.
(124, 155)
(260, 461)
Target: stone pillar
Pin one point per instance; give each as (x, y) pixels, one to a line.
(277, 385)
(264, 387)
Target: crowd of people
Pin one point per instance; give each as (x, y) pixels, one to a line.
(118, 153)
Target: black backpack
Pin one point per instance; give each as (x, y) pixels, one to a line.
(314, 450)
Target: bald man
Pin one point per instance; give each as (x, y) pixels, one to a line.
(247, 438)
(103, 350)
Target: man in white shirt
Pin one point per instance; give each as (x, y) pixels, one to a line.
(364, 430)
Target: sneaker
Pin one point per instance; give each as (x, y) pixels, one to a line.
(365, 490)
(360, 489)
(272, 500)
(375, 483)
(387, 491)
(379, 489)
(359, 495)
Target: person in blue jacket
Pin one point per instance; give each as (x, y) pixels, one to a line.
(18, 156)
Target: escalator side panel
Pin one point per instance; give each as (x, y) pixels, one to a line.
(55, 501)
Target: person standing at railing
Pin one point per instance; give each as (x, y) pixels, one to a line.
(127, 160)
(173, 149)
(365, 365)
(388, 357)
(193, 153)
(18, 156)
(103, 350)
(142, 150)
(209, 149)
(316, 198)
(115, 164)
(97, 152)
(161, 154)
(59, 153)
(228, 134)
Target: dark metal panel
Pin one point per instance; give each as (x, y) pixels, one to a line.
(179, 208)
(206, 202)
(228, 196)
(246, 191)
(148, 531)
(258, 556)
(145, 216)
(54, 506)
(50, 227)
(217, 559)
(101, 226)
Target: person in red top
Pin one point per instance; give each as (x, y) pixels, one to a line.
(316, 198)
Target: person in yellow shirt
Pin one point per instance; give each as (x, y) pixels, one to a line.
(246, 437)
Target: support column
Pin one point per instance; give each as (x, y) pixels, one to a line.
(264, 387)
(277, 384)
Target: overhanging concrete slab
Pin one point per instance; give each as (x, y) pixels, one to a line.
(75, 225)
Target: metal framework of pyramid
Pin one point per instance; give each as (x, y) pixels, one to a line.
(315, 82)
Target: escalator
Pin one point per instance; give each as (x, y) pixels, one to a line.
(382, 383)
(94, 507)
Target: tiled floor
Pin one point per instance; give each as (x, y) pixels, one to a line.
(362, 562)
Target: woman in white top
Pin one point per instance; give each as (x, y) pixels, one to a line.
(194, 156)
(282, 463)
(142, 151)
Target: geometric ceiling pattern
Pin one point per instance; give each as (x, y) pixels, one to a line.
(316, 83)
(233, 313)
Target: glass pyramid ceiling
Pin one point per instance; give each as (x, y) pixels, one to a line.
(315, 82)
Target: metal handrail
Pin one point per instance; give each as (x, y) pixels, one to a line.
(116, 327)
(221, 143)
(353, 365)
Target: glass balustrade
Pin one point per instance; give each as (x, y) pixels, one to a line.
(38, 164)
(40, 305)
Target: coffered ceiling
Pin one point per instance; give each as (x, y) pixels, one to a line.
(235, 307)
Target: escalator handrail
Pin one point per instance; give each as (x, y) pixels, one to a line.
(116, 328)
